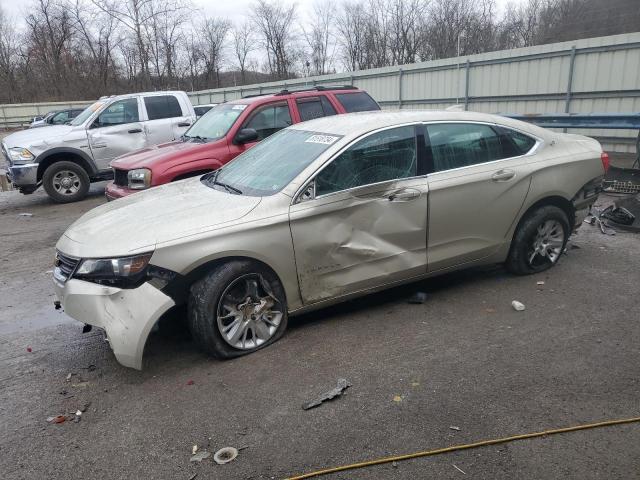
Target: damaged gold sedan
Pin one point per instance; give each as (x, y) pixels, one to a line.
(321, 212)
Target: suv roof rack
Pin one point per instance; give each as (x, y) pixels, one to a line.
(317, 88)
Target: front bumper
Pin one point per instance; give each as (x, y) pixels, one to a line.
(127, 315)
(23, 175)
(113, 191)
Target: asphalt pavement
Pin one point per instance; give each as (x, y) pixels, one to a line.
(462, 359)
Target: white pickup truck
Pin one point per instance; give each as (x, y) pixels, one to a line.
(65, 159)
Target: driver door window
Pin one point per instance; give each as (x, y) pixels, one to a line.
(269, 119)
(387, 155)
(119, 113)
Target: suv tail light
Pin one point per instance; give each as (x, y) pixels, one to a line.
(604, 156)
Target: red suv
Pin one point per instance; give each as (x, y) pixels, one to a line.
(226, 131)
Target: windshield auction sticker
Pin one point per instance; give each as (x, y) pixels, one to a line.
(324, 139)
(239, 107)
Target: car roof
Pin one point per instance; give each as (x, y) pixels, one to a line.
(356, 124)
(286, 94)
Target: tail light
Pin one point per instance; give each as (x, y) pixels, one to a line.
(604, 156)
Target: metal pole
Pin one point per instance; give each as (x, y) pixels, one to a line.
(400, 87)
(572, 62)
(466, 86)
(458, 72)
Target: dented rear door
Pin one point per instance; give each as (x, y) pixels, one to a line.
(367, 235)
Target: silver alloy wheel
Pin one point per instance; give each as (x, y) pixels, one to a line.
(547, 243)
(66, 182)
(248, 314)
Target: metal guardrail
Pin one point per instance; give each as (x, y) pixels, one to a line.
(605, 121)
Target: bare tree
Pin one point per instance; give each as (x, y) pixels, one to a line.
(319, 37)
(8, 58)
(274, 21)
(214, 33)
(351, 27)
(244, 42)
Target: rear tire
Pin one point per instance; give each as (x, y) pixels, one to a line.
(236, 309)
(539, 241)
(66, 182)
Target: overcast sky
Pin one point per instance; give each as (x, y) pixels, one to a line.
(232, 9)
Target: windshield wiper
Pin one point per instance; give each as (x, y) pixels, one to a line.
(226, 186)
(196, 137)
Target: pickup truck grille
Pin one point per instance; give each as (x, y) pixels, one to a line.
(65, 266)
(120, 177)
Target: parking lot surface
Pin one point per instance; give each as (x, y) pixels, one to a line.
(462, 359)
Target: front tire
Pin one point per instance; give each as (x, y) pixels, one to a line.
(539, 241)
(236, 309)
(66, 182)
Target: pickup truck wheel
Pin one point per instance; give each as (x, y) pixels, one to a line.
(236, 309)
(66, 182)
(539, 241)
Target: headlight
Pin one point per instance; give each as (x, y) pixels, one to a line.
(119, 272)
(20, 155)
(139, 178)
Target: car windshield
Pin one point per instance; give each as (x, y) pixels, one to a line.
(86, 113)
(269, 166)
(216, 122)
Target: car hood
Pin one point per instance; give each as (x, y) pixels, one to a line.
(167, 154)
(37, 136)
(139, 222)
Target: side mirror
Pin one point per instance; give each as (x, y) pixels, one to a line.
(246, 135)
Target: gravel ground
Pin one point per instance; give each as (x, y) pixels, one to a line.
(464, 358)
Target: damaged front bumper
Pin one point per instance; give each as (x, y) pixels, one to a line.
(126, 315)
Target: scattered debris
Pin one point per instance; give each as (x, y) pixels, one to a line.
(453, 427)
(190, 382)
(594, 219)
(57, 419)
(418, 298)
(86, 328)
(57, 305)
(517, 306)
(415, 384)
(335, 392)
(394, 464)
(90, 368)
(397, 398)
(541, 282)
(193, 476)
(459, 469)
(243, 447)
(78, 416)
(194, 449)
(25, 214)
(201, 455)
(85, 407)
(225, 455)
(29, 349)
(69, 377)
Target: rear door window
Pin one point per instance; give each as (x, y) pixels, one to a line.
(456, 145)
(268, 119)
(314, 107)
(357, 102)
(162, 106)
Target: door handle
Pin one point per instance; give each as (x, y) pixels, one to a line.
(503, 175)
(404, 195)
(135, 130)
(184, 124)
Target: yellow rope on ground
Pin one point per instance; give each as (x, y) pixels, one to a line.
(454, 448)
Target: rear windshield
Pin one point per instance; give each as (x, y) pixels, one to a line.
(357, 102)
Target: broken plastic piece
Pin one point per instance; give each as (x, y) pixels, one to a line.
(540, 282)
(194, 449)
(517, 306)
(201, 455)
(25, 214)
(418, 298)
(335, 392)
(29, 349)
(225, 455)
(453, 427)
